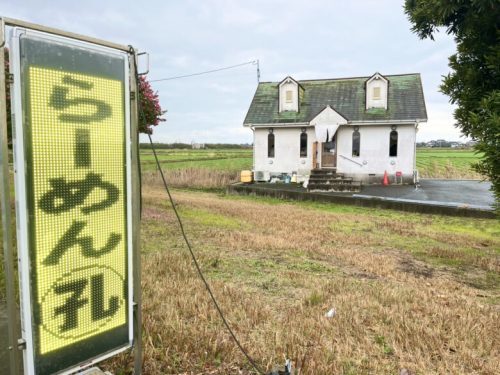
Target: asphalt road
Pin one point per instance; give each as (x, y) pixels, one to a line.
(458, 192)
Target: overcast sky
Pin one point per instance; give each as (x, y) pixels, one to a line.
(304, 39)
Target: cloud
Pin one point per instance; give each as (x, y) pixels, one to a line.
(441, 124)
(313, 39)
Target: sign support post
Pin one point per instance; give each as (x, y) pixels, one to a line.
(12, 314)
(136, 212)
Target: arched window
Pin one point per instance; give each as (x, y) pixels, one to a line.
(303, 145)
(270, 145)
(356, 138)
(393, 143)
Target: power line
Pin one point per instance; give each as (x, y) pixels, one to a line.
(195, 261)
(253, 62)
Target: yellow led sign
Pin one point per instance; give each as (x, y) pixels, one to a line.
(79, 232)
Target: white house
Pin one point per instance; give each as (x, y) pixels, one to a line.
(358, 128)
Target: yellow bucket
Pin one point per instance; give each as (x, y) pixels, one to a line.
(246, 176)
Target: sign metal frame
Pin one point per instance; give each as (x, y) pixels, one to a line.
(12, 311)
(132, 190)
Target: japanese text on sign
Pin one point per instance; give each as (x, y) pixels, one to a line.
(79, 205)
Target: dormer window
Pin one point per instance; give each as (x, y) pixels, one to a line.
(377, 88)
(290, 92)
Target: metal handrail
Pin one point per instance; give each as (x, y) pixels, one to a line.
(354, 161)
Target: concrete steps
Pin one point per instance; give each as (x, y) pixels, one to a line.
(329, 180)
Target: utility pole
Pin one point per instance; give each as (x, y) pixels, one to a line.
(258, 72)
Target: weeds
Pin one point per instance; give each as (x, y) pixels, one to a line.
(386, 348)
(193, 178)
(407, 295)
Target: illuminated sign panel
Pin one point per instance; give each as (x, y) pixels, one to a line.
(72, 141)
(78, 188)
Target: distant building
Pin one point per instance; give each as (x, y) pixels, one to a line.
(197, 146)
(357, 127)
(470, 143)
(431, 144)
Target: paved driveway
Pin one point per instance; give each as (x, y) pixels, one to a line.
(457, 192)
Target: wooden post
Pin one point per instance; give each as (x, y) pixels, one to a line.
(315, 155)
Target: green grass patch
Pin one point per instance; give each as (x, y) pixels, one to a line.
(447, 163)
(386, 348)
(314, 299)
(210, 219)
(310, 266)
(337, 208)
(159, 236)
(223, 160)
(488, 230)
(488, 281)
(272, 275)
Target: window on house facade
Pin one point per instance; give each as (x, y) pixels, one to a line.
(270, 145)
(303, 145)
(288, 96)
(393, 143)
(356, 139)
(376, 93)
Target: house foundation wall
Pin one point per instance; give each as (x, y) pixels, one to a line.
(378, 178)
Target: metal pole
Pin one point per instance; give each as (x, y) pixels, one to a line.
(6, 216)
(258, 72)
(136, 213)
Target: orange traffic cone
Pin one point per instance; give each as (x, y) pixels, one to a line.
(385, 182)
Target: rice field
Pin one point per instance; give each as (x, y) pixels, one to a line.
(213, 169)
(223, 160)
(447, 163)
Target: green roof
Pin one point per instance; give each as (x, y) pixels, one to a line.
(344, 95)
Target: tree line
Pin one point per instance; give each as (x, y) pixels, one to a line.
(209, 146)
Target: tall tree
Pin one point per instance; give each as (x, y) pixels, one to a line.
(474, 81)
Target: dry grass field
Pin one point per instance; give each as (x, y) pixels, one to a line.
(195, 178)
(411, 291)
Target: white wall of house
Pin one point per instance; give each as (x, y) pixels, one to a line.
(374, 156)
(374, 151)
(287, 151)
